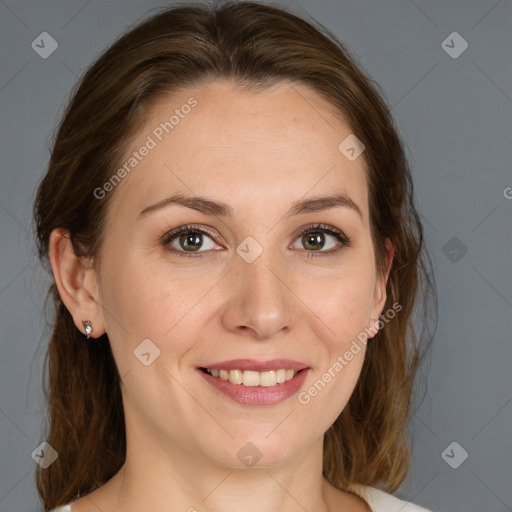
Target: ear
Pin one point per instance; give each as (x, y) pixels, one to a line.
(77, 283)
(380, 296)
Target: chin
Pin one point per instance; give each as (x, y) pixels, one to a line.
(260, 450)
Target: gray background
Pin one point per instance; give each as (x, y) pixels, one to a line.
(455, 118)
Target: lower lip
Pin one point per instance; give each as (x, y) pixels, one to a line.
(257, 395)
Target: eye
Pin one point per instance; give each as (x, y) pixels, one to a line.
(189, 239)
(313, 238)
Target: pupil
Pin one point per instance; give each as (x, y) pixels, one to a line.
(191, 240)
(312, 239)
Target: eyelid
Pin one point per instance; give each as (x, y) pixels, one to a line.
(169, 235)
(321, 227)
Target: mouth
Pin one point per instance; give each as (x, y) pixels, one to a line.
(255, 383)
(252, 378)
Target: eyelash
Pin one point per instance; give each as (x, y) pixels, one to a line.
(322, 228)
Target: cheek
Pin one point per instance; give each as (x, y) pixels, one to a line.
(148, 301)
(343, 304)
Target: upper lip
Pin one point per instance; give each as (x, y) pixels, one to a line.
(256, 366)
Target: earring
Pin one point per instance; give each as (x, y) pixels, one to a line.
(87, 326)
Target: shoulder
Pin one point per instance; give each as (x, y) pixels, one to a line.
(64, 508)
(381, 501)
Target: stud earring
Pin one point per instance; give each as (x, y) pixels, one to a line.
(87, 326)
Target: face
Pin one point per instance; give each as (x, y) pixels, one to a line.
(261, 281)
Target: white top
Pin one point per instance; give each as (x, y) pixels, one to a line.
(379, 501)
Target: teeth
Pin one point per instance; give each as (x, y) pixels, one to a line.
(236, 376)
(268, 378)
(280, 376)
(251, 378)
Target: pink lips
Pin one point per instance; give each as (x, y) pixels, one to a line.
(257, 395)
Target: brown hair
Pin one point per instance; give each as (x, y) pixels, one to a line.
(253, 45)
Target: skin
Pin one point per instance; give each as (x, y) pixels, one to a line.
(259, 153)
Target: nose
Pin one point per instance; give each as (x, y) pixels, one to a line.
(259, 299)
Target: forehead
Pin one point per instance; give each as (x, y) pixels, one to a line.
(280, 143)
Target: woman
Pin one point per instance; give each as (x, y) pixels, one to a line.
(229, 218)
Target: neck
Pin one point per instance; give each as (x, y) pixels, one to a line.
(184, 482)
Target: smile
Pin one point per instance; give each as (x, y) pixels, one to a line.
(254, 388)
(252, 378)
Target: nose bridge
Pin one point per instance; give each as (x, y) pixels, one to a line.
(259, 299)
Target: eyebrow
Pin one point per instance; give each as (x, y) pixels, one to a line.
(209, 207)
